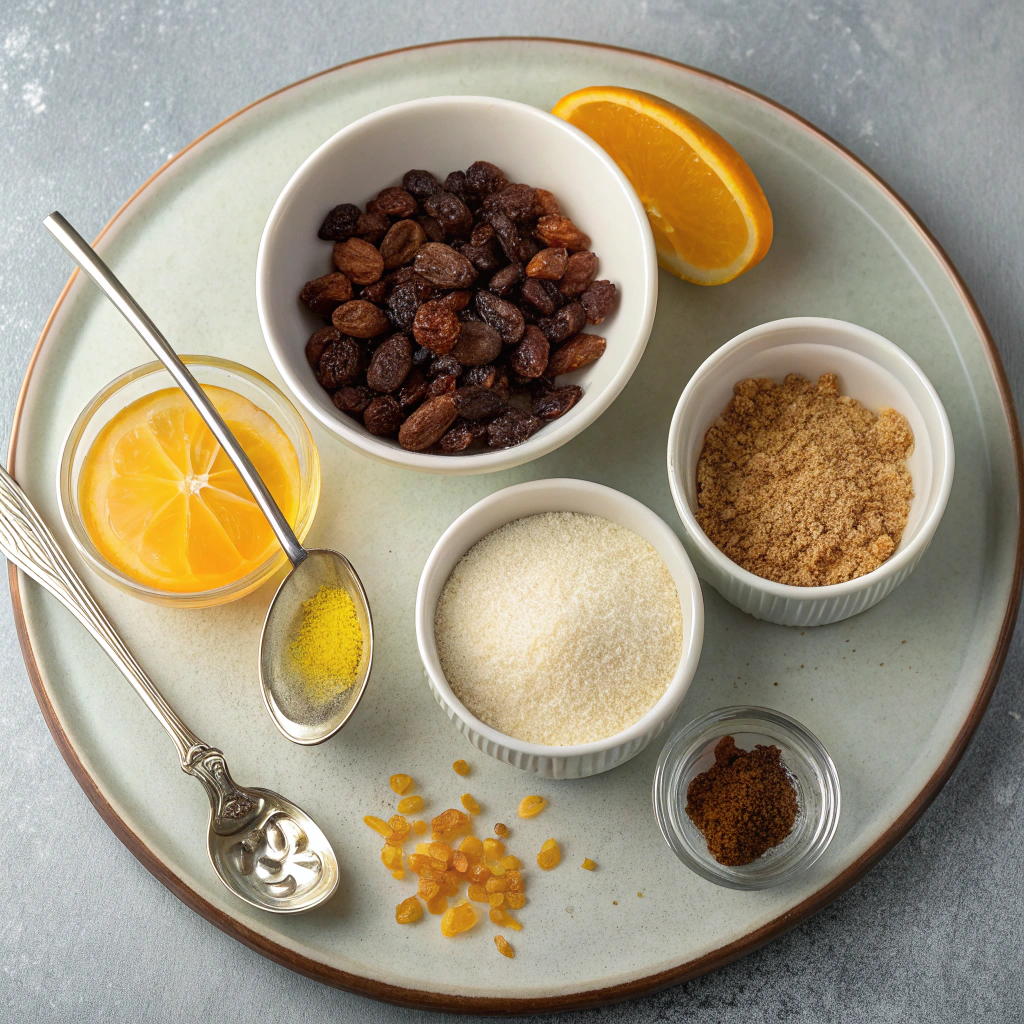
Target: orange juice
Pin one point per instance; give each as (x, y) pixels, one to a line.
(162, 502)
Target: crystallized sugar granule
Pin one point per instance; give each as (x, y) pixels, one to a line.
(560, 628)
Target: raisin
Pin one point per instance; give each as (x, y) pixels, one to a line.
(483, 375)
(549, 855)
(340, 223)
(442, 365)
(598, 300)
(358, 260)
(421, 356)
(449, 823)
(390, 364)
(558, 231)
(401, 242)
(483, 256)
(320, 340)
(482, 232)
(500, 314)
(531, 806)
(529, 358)
(456, 184)
(441, 265)
(548, 264)
(579, 272)
(383, 416)
(507, 234)
(451, 212)
(575, 353)
(457, 919)
(372, 225)
(352, 400)
(375, 292)
(512, 427)
(506, 279)
(410, 911)
(431, 227)
(551, 404)
(588, 864)
(396, 202)
(501, 830)
(456, 300)
(478, 344)
(482, 178)
(443, 384)
(542, 295)
(569, 320)
(410, 805)
(425, 427)
(475, 402)
(458, 439)
(340, 364)
(546, 203)
(360, 318)
(414, 388)
(460, 767)
(517, 202)
(401, 306)
(420, 183)
(379, 825)
(324, 294)
(436, 327)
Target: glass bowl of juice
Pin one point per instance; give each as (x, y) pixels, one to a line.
(152, 502)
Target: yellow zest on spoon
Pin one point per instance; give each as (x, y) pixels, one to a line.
(710, 219)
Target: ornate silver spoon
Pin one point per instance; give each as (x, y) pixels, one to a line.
(266, 850)
(300, 719)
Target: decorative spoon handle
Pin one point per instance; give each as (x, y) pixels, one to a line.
(26, 540)
(82, 253)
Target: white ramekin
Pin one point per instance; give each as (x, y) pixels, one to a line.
(872, 370)
(559, 495)
(442, 134)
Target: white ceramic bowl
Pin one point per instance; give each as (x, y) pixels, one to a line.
(559, 495)
(444, 134)
(872, 370)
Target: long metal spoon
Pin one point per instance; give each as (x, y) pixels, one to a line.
(298, 717)
(266, 850)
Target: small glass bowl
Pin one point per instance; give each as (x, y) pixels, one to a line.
(144, 380)
(692, 751)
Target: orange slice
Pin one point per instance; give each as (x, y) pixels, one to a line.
(162, 502)
(710, 219)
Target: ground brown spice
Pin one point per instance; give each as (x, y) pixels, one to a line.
(801, 485)
(744, 804)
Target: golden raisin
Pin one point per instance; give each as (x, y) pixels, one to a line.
(494, 849)
(448, 824)
(452, 883)
(499, 915)
(497, 869)
(496, 899)
(515, 881)
(438, 905)
(531, 806)
(503, 947)
(496, 884)
(378, 825)
(399, 874)
(419, 827)
(391, 856)
(472, 848)
(479, 873)
(588, 864)
(461, 768)
(400, 783)
(478, 893)
(408, 911)
(428, 888)
(461, 863)
(501, 830)
(417, 862)
(510, 863)
(400, 829)
(470, 804)
(459, 918)
(423, 849)
(549, 855)
(515, 900)
(410, 805)
(442, 853)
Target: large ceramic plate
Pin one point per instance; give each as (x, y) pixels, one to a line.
(894, 693)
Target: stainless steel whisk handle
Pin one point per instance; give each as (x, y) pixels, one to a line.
(27, 541)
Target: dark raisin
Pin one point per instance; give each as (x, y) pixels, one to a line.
(401, 307)
(340, 223)
(506, 279)
(483, 375)
(529, 359)
(340, 364)
(485, 256)
(324, 294)
(542, 295)
(568, 321)
(421, 356)
(517, 202)
(383, 416)
(442, 385)
(358, 260)
(575, 353)
(436, 327)
(375, 292)
(431, 227)
(551, 403)
(456, 301)
(352, 400)
(482, 178)
(446, 364)
(396, 202)
(546, 203)
(451, 212)
(420, 183)
(456, 184)
(500, 314)
(359, 318)
(320, 340)
(475, 402)
(441, 265)
(579, 272)
(478, 344)
(372, 225)
(548, 264)
(507, 234)
(414, 388)
(598, 300)
(457, 439)
(428, 423)
(560, 232)
(512, 427)
(401, 242)
(390, 364)
(482, 232)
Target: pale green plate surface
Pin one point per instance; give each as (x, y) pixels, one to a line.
(888, 693)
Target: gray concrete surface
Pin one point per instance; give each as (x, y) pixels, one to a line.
(95, 96)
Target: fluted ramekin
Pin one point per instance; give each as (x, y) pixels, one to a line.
(876, 373)
(533, 498)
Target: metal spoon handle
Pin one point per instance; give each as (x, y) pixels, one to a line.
(82, 253)
(26, 540)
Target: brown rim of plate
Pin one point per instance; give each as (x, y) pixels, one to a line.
(641, 986)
